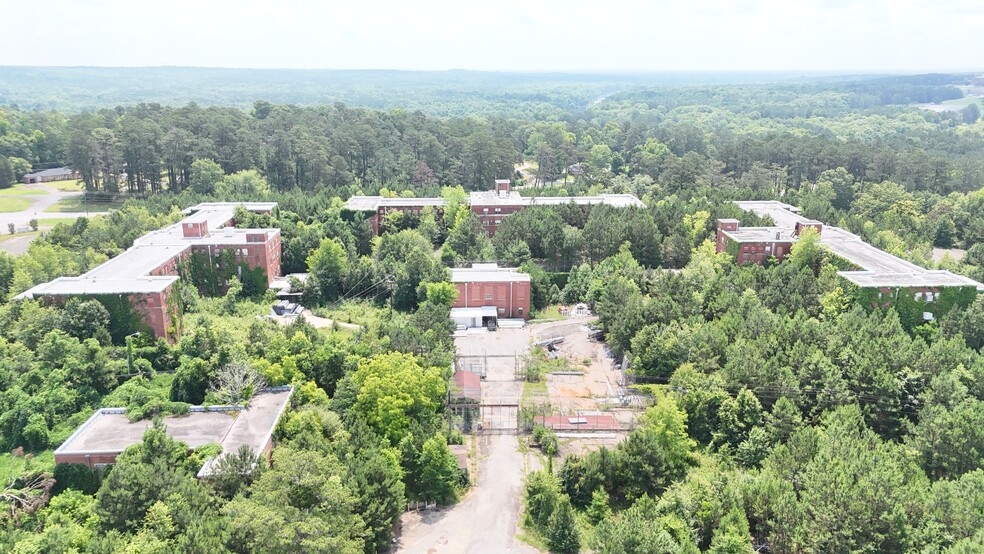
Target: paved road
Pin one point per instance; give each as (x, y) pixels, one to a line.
(485, 521)
(18, 244)
(40, 203)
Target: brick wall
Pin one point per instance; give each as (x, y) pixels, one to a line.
(493, 215)
(90, 460)
(512, 299)
(759, 252)
(155, 311)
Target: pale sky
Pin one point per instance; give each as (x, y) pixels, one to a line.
(559, 35)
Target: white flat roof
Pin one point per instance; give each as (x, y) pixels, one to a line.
(492, 198)
(928, 278)
(248, 206)
(513, 198)
(484, 273)
(68, 286)
(373, 203)
(880, 269)
(616, 200)
(761, 234)
(470, 313)
(108, 431)
(128, 272)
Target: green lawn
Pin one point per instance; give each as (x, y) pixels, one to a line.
(550, 313)
(13, 199)
(19, 190)
(75, 204)
(70, 185)
(52, 221)
(14, 466)
(965, 101)
(8, 204)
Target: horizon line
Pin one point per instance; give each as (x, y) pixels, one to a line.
(586, 71)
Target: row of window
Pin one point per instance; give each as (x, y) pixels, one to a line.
(498, 210)
(926, 296)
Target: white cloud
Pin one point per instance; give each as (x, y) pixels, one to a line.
(505, 35)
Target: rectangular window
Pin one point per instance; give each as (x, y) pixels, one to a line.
(498, 210)
(485, 210)
(488, 297)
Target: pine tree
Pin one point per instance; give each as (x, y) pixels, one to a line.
(563, 536)
(6, 173)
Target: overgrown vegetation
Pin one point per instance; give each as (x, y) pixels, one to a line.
(788, 413)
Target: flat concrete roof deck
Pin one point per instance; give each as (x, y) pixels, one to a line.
(108, 431)
(248, 206)
(113, 432)
(929, 279)
(879, 268)
(128, 272)
(372, 203)
(760, 234)
(69, 286)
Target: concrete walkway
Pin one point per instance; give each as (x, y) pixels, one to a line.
(40, 203)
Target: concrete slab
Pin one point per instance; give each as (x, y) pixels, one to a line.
(113, 432)
(108, 432)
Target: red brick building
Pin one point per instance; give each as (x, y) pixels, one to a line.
(488, 292)
(145, 276)
(758, 244)
(492, 207)
(881, 279)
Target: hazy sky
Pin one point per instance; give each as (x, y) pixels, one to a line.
(822, 35)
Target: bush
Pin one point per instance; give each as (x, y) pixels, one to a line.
(562, 534)
(542, 496)
(546, 439)
(155, 407)
(36, 432)
(75, 476)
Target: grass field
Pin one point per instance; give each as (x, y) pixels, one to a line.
(75, 204)
(550, 313)
(17, 199)
(52, 221)
(965, 101)
(19, 190)
(11, 204)
(14, 466)
(70, 185)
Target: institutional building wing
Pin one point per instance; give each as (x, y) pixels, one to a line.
(490, 206)
(145, 274)
(877, 268)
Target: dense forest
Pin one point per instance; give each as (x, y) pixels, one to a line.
(784, 417)
(443, 93)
